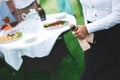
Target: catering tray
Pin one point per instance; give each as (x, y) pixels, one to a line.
(10, 37)
(56, 24)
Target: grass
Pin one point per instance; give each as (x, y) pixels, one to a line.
(67, 69)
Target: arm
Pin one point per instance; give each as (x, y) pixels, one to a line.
(108, 21)
(104, 23)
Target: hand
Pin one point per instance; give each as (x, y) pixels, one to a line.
(81, 32)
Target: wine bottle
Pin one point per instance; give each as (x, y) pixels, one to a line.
(72, 27)
(42, 13)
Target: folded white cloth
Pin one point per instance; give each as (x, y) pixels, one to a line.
(84, 43)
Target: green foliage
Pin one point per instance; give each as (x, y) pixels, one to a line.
(42, 1)
(68, 70)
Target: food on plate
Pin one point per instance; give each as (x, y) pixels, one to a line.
(55, 24)
(13, 24)
(10, 37)
(6, 27)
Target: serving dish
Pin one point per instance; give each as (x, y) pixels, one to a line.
(56, 24)
(10, 37)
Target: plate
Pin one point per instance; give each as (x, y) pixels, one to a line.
(56, 25)
(30, 38)
(11, 37)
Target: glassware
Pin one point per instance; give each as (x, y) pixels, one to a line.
(41, 12)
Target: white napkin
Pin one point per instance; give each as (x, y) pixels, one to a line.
(84, 43)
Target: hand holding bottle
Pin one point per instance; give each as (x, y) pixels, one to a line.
(80, 31)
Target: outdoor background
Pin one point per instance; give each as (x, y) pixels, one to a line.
(67, 69)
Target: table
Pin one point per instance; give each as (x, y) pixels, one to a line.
(41, 47)
(48, 63)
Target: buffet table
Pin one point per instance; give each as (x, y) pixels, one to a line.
(41, 44)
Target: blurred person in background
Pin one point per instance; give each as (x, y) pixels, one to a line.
(65, 6)
(5, 11)
(23, 6)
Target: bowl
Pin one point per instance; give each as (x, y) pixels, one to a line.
(30, 38)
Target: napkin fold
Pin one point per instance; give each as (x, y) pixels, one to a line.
(84, 43)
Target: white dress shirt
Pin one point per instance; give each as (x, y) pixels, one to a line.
(102, 13)
(19, 4)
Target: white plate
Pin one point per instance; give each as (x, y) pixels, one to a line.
(11, 40)
(57, 26)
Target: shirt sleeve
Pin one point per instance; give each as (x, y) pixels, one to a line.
(110, 20)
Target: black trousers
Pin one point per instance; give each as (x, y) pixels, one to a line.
(102, 61)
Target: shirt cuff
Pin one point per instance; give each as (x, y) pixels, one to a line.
(93, 27)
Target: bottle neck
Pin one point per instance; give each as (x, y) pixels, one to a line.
(40, 8)
(73, 27)
(38, 5)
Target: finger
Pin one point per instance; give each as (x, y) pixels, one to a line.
(75, 34)
(76, 29)
(82, 36)
(78, 35)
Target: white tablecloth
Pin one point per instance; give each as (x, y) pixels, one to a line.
(41, 47)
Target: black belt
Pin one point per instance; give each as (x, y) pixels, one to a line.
(110, 34)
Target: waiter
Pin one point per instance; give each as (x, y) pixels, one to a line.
(102, 60)
(23, 6)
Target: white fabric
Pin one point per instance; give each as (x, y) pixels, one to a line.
(45, 39)
(107, 11)
(19, 4)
